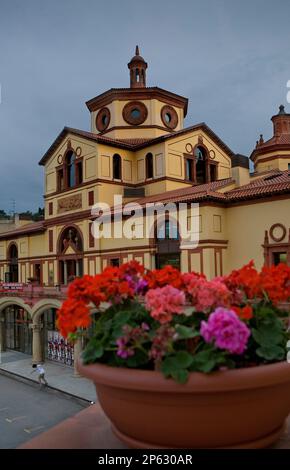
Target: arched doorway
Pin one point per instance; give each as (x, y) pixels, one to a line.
(12, 275)
(70, 254)
(17, 331)
(167, 241)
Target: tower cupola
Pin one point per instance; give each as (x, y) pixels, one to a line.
(137, 67)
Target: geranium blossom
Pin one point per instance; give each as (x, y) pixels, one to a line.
(244, 313)
(226, 331)
(163, 277)
(206, 295)
(72, 315)
(164, 302)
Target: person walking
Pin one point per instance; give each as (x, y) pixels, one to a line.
(41, 374)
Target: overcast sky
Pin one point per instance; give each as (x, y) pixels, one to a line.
(230, 58)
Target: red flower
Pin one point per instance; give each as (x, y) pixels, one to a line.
(275, 282)
(72, 315)
(163, 277)
(247, 279)
(244, 313)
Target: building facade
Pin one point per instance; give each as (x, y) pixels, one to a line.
(138, 148)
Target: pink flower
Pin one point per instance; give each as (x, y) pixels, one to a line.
(207, 295)
(226, 331)
(163, 302)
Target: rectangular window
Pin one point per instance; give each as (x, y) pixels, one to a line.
(91, 237)
(50, 240)
(91, 198)
(37, 272)
(50, 208)
(189, 169)
(115, 262)
(60, 180)
(80, 173)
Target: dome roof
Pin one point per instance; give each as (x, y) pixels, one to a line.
(137, 57)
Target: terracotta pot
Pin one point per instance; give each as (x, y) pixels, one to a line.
(243, 408)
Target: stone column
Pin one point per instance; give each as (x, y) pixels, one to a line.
(77, 268)
(65, 273)
(36, 343)
(77, 353)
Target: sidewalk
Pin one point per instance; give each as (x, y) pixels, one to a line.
(59, 376)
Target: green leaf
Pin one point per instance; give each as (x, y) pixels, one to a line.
(271, 352)
(206, 361)
(175, 366)
(185, 332)
(183, 359)
(93, 351)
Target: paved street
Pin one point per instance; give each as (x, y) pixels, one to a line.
(59, 376)
(26, 411)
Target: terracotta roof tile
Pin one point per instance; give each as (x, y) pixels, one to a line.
(278, 182)
(192, 193)
(132, 144)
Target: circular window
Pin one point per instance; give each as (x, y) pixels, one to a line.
(277, 232)
(135, 113)
(169, 117)
(103, 119)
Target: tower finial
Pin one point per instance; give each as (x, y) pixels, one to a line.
(282, 109)
(137, 50)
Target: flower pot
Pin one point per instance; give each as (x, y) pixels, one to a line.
(241, 408)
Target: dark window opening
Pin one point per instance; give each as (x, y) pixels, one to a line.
(279, 257)
(80, 172)
(13, 264)
(37, 272)
(117, 169)
(115, 262)
(149, 165)
(200, 156)
(71, 169)
(189, 169)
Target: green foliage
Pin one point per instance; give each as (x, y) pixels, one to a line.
(269, 335)
(176, 366)
(185, 350)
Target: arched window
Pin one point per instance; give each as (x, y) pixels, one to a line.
(168, 230)
(149, 165)
(117, 167)
(71, 169)
(70, 254)
(201, 162)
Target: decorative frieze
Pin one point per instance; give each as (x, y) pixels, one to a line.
(70, 203)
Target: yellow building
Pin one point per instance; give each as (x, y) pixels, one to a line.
(138, 148)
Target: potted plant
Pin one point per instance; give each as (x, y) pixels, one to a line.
(183, 362)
